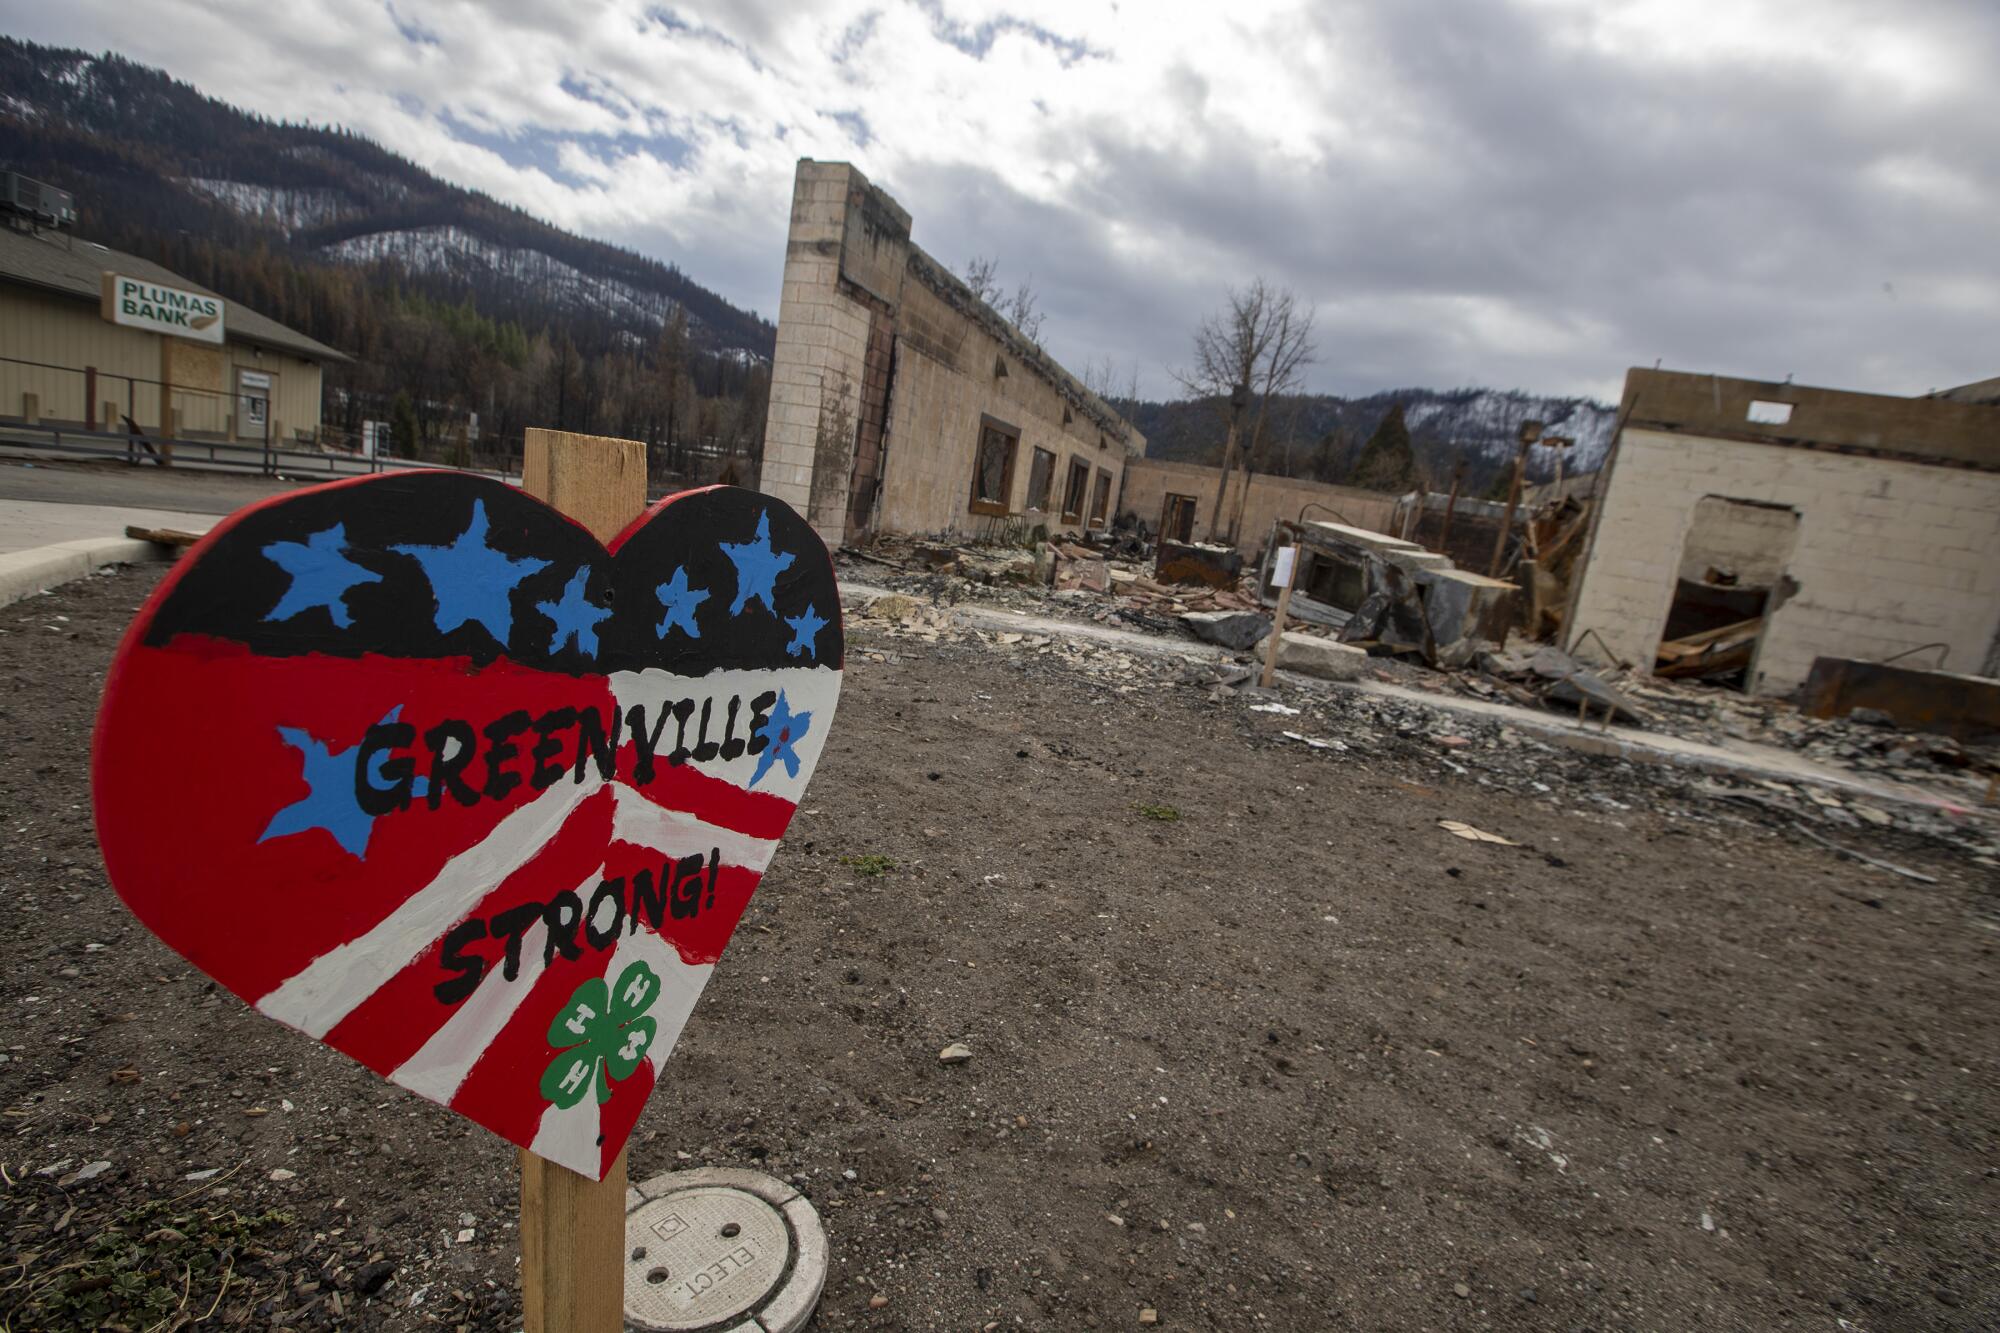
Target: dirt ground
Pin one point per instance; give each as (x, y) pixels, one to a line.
(1294, 1059)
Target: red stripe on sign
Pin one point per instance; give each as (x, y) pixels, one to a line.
(503, 1091)
(717, 801)
(227, 848)
(690, 902)
(393, 1024)
(616, 1117)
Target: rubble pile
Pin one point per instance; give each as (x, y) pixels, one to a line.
(1350, 724)
(1105, 582)
(1075, 581)
(1863, 744)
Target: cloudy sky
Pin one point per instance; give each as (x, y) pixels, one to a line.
(1531, 193)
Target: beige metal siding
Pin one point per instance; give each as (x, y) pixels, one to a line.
(58, 331)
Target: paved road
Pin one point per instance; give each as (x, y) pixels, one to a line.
(44, 502)
(166, 489)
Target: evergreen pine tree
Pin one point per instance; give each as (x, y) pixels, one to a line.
(403, 426)
(1387, 462)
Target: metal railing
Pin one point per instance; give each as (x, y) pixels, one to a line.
(92, 400)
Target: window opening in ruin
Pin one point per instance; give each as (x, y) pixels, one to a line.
(1177, 518)
(1100, 499)
(1074, 489)
(1041, 479)
(1731, 581)
(1768, 413)
(993, 467)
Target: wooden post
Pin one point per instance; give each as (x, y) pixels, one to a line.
(1222, 486)
(573, 1227)
(1451, 503)
(1238, 398)
(1513, 503)
(572, 1248)
(1284, 605)
(598, 481)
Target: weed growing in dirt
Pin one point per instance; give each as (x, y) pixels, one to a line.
(1166, 814)
(152, 1267)
(871, 864)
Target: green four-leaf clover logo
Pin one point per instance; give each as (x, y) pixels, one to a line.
(600, 1036)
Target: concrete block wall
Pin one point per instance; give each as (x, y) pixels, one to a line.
(816, 368)
(1889, 554)
(849, 262)
(1148, 481)
(945, 390)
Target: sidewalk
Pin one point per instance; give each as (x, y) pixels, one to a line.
(26, 524)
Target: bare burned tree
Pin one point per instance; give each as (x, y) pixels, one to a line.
(983, 276)
(1021, 313)
(1251, 351)
(1118, 386)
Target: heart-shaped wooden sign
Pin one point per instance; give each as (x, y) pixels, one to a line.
(415, 765)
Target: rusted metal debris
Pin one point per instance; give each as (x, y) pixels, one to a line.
(1966, 708)
(1211, 566)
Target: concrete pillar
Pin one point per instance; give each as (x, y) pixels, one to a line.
(841, 227)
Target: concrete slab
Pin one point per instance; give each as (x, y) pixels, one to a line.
(1328, 659)
(26, 573)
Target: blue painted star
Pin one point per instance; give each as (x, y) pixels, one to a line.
(575, 619)
(757, 567)
(331, 804)
(781, 732)
(805, 633)
(471, 580)
(321, 575)
(679, 600)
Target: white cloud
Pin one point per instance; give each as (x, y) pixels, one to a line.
(1537, 193)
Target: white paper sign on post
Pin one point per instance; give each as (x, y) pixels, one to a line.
(1281, 566)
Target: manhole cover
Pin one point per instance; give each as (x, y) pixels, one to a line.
(721, 1250)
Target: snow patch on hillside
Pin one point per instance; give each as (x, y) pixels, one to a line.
(285, 209)
(1487, 421)
(456, 252)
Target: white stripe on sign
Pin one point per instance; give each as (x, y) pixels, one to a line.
(437, 1070)
(680, 986)
(808, 690)
(568, 1137)
(333, 985)
(675, 833)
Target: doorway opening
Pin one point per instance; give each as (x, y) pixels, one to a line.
(1730, 582)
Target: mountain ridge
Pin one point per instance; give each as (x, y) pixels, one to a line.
(130, 140)
(1321, 435)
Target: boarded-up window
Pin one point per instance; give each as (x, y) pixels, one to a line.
(993, 468)
(1100, 499)
(1041, 479)
(1074, 490)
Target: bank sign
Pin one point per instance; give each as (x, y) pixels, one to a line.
(138, 304)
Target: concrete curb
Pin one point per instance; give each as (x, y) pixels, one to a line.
(26, 573)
